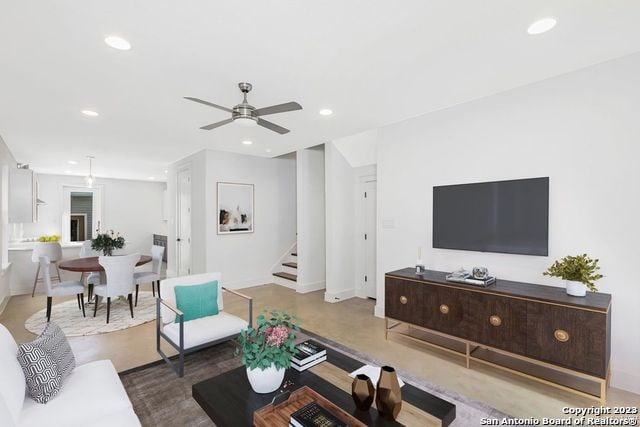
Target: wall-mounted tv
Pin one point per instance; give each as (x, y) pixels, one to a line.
(503, 216)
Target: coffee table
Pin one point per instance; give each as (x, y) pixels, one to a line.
(229, 400)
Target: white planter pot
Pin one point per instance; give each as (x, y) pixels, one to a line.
(265, 381)
(576, 289)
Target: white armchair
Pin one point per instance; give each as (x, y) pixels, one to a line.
(189, 336)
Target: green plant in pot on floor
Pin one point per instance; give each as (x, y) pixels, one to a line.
(267, 349)
(579, 273)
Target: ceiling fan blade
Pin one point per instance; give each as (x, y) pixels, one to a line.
(272, 126)
(280, 108)
(219, 107)
(217, 124)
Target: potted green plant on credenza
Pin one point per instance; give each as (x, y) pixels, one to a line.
(267, 349)
(579, 273)
(107, 242)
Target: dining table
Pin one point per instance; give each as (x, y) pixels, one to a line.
(92, 265)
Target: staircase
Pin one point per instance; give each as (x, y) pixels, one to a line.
(288, 274)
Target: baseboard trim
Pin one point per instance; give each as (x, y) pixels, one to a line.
(339, 296)
(311, 287)
(625, 380)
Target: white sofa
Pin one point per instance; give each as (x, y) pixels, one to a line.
(91, 396)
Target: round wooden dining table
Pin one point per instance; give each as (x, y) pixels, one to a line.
(92, 265)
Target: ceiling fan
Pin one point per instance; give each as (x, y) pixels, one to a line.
(247, 115)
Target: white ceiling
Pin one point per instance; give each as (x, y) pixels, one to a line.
(372, 62)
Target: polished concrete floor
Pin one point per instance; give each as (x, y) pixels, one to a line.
(352, 324)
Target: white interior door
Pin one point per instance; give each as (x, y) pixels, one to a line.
(370, 239)
(183, 223)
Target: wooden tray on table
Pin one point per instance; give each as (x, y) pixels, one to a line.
(279, 415)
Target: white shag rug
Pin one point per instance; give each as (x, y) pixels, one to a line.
(68, 316)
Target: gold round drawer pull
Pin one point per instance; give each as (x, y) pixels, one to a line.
(561, 335)
(403, 299)
(444, 308)
(495, 320)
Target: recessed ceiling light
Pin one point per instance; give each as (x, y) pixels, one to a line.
(268, 150)
(90, 113)
(152, 178)
(247, 142)
(72, 162)
(166, 171)
(325, 112)
(68, 171)
(542, 25)
(117, 43)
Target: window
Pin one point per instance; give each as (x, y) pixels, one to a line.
(82, 214)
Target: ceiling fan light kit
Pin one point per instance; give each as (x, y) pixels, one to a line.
(247, 115)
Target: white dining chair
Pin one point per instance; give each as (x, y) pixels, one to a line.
(152, 276)
(53, 251)
(93, 278)
(70, 287)
(119, 271)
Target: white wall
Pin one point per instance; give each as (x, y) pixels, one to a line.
(311, 219)
(340, 234)
(243, 259)
(580, 129)
(360, 149)
(7, 161)
(133, 208)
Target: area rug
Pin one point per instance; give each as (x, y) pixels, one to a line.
(161, 398)
(68, 316)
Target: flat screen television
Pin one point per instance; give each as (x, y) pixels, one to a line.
(502, 216)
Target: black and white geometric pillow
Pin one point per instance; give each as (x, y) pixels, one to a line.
(53, 341)
(40, 371)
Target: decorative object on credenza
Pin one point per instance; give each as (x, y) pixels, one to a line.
(235, 208)
(267, 349)
(480, 273)
(106, 242)
(463, 276)
(579, 273)
(363, 392)
(419, 262)
(388, 394)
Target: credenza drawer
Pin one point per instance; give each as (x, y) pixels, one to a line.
(497, 321)
(404, 301)
(444, 310)
(575, 339)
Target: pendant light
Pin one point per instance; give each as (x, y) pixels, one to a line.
(90, 179)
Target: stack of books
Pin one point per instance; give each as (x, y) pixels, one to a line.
(314, 415)
(310, 353)
(463, 277)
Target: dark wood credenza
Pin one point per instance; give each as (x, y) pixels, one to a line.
(533, 330)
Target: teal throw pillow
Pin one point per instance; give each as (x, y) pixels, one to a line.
(197, 301)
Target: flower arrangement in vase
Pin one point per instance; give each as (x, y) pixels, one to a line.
(106, 242)
(267, 349)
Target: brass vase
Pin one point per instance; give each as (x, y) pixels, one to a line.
(388, 397)
(362, 391)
